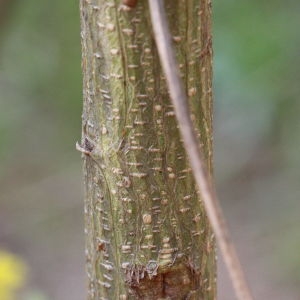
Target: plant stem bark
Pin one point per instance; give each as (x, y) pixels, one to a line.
(147, 234)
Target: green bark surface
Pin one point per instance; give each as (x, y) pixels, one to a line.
(147, 235)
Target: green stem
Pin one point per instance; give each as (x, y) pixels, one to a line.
(147, 235)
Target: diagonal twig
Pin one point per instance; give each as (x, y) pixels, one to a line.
(167, 57)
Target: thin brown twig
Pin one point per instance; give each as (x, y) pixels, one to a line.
(167, 57)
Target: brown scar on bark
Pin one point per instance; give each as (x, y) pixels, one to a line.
(130, 3)
(179, 281)
(101, 247)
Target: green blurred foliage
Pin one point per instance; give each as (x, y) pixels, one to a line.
(256, 70)
(256, 87)
(40, 79)
(40, 121)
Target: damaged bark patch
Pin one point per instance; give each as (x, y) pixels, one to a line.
(178, 281)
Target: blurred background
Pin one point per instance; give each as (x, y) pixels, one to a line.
(256, 136)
